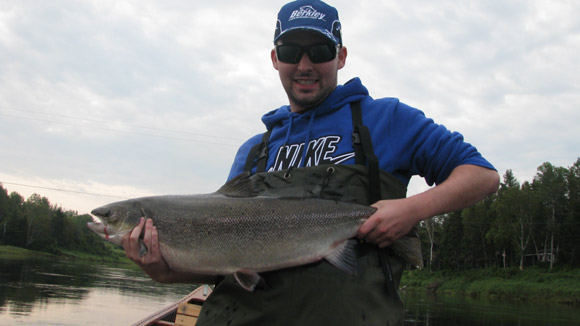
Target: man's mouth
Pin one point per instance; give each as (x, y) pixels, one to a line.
(306, 82)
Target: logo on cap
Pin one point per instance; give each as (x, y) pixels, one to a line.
(306, 12)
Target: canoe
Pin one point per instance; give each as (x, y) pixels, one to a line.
(183, 312)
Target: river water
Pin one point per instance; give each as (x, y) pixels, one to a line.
(56, 292)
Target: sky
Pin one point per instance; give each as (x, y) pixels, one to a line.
(104, 100)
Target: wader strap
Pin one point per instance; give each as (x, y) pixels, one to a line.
(389, 278)
(258, 154)
(362, 143)
(364, 153)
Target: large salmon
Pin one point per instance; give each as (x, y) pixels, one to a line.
(232, 231)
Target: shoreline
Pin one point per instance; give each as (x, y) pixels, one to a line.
(534, 284)
(11, 252)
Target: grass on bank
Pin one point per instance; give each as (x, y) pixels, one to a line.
(562, 285)
(118, 257)
(10, 252)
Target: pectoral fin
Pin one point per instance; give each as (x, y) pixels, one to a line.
(249, 280)
(343, 257)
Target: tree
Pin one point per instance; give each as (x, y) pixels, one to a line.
(515, 210)
(431, 228)
(14, 228)
(450, 244)
(3, 212)
(477, 221)
(551, 184)
(38, 214)
(570, 246)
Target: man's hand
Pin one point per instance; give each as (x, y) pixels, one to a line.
(151, 262)
(391, 221)
(466, 185)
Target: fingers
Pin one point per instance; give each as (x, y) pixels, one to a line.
(154, 247)
(151, 241)
(130, 241)
(384, 226)
(374, 231)
(366, 228)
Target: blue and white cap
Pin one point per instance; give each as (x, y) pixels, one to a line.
(313, 15)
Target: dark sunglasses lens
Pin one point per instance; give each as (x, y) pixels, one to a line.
(322, 53)
(317, 53)
(289, 53)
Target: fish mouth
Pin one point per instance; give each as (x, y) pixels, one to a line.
(99, 228)
(111, 227)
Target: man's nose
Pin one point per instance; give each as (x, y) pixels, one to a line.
(305, 64)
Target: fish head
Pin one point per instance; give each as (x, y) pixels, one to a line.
(116, 220)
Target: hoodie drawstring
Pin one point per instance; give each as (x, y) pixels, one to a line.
(290, 121)
(307, 138)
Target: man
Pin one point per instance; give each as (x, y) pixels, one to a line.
(336, 142)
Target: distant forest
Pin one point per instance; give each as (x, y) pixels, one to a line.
(528, 224)
(36, 224)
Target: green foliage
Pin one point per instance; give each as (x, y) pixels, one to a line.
(37, 225)
(523, 225)
(533, 284)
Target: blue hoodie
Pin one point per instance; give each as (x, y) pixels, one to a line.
(404, 140)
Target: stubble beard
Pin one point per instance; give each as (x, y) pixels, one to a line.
(309, 102)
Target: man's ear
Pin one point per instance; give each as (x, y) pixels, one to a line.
(342, 57)
(274, 59)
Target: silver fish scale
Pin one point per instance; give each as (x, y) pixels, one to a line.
(214, 233)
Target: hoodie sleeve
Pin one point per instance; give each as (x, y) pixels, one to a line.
(418, 146)
(241, 156)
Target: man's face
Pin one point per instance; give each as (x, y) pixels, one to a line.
(307, 84)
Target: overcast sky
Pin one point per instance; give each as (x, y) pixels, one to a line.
(111, 99)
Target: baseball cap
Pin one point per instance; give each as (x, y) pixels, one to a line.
(313, 15)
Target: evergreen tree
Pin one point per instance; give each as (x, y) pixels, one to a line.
(551, 184)
(450, 253)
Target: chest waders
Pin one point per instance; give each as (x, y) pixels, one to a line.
(319, 293)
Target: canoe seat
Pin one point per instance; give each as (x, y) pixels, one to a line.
(187, 314)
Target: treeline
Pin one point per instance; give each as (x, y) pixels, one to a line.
(36, 224)
(527, 224)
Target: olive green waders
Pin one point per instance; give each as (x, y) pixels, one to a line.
(318, 293)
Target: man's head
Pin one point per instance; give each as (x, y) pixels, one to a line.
(308, 52)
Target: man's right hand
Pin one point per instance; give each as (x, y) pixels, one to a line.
(152, 261)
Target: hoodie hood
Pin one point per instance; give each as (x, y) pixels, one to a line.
(351, 91)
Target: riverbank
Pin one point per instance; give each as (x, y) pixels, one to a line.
(119, 258)
(534, 284)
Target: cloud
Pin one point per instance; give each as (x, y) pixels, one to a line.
(157, 96)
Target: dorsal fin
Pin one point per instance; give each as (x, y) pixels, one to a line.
(239, 186)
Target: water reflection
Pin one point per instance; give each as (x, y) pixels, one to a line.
(436, 310)
(40, 292)
(55, 292)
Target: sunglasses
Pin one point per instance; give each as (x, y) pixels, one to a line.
(318, 53)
